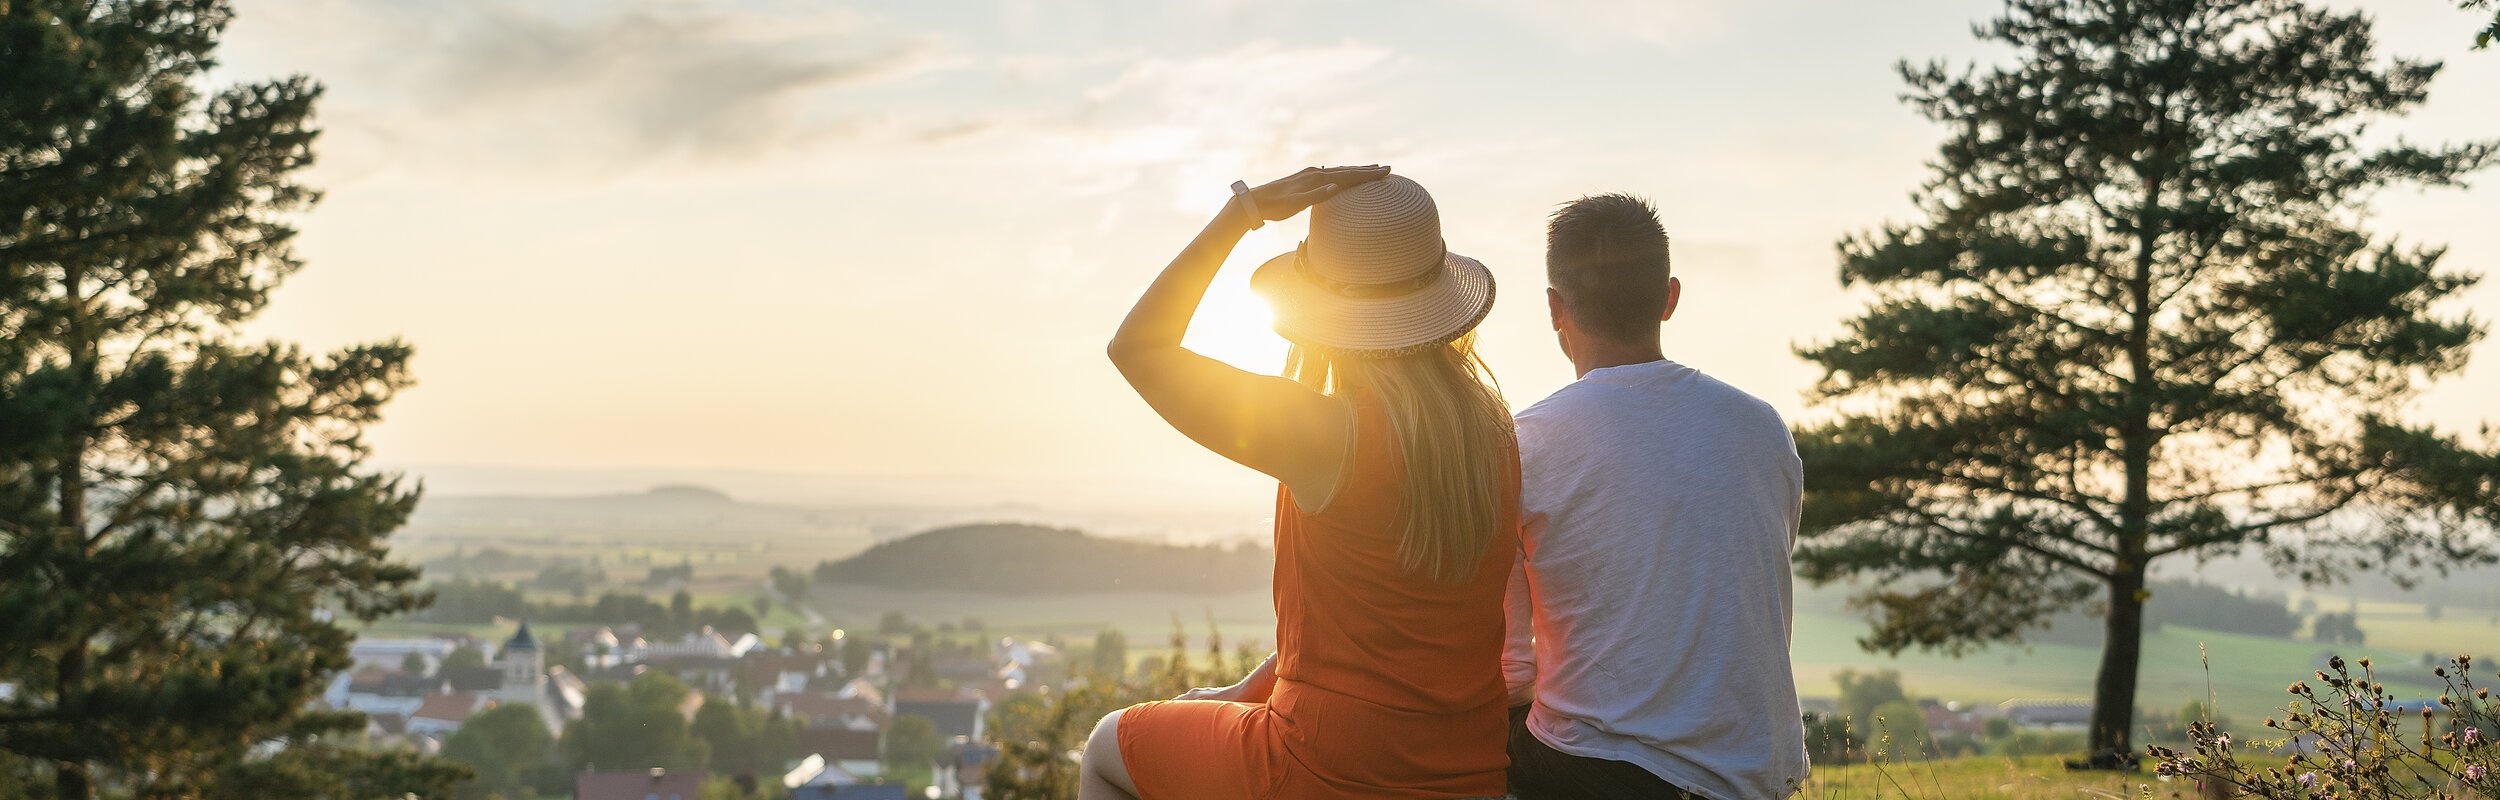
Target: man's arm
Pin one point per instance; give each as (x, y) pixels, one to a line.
(1519, 637)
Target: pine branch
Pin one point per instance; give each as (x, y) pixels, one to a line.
(1940, 525)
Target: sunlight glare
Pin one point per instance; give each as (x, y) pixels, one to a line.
(1235, 326)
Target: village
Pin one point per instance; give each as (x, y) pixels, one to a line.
(419, 692)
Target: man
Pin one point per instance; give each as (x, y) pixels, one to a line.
(1650, 609)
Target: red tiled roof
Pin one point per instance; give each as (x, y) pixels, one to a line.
(837, 744)
(932, 694)
(448, 707)
(829, 707)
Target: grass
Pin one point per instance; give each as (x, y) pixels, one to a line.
(1981, 778)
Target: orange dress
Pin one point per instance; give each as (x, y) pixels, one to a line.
(1388, 684)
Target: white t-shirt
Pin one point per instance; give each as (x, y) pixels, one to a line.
(1660, 508)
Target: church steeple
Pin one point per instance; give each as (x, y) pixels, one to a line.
(521, 639)
(523, 665)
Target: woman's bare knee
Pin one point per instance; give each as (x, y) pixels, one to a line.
(1104, 769)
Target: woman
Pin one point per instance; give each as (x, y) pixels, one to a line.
(1396, 521)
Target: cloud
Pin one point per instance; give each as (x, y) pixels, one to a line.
(660, 80)
(521, 90)
(1667, 23)
(1206, 120)
(529, 86)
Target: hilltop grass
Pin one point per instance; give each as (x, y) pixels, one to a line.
(1983, 778)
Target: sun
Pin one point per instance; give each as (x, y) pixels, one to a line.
(1234, 326)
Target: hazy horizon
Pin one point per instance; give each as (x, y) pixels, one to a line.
(826, 244)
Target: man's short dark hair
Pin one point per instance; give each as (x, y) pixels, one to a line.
(1607, 256)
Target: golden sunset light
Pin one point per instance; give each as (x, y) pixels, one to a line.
(869, 399)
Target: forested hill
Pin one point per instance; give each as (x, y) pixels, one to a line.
(1030, 559)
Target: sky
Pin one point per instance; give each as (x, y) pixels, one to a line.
(876, 248)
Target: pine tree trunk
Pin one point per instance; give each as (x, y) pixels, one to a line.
(69, 780)
(2113, 688)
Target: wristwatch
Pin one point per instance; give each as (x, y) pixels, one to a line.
(1243, 205)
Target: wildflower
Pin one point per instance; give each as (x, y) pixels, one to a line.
(2309, 780)
(2472, 733)
(2473, 772)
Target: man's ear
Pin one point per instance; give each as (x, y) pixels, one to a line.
(1554, 308)
(1675, 292)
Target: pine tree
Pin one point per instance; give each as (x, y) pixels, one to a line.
(2141, 319)
(184, 516)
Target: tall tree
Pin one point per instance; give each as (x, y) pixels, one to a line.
(855, 654)
(744, 739)
(503, 745)
(634, 726)
(681, 611)
(911, 749)
(1863, 692)
(1111, 654)
(464, 657)
(2489, 32)
(2141, 320)
(185, 520)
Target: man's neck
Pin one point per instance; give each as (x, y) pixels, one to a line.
(1595, 355)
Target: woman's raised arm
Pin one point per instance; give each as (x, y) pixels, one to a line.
(1267, 423)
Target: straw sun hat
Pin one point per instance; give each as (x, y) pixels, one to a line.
(1374, 278)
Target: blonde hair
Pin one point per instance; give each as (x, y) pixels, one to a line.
(1451, 428)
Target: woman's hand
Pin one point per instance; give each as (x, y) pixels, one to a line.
(1230, 694)
(1284, 197)
(1253, 688)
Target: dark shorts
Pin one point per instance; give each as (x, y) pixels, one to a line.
(1540, 772)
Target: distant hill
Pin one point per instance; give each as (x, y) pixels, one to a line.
(673, 509)
(1031, 559)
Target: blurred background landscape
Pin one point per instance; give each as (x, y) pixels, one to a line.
(741, 365)
(2253, 627)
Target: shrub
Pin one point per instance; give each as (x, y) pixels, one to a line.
(2357, 741)
(1901, 732)
(1830, 739)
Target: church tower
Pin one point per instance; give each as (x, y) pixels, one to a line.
(524, 668)
(525, 678)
